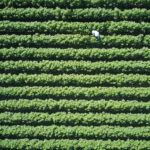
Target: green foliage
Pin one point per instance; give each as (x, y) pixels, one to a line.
(75, 132)
(92, 54)
(130, 80)
(74, 41)
(129, 93)
(66, 144)
(60, 27)
(61, 88)
(75, 67)
(72, 119)
(88, 14)
(82, 106)
(76, 3)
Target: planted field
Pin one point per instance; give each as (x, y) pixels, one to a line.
(61, 88)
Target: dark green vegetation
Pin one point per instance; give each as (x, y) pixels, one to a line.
(61, 89)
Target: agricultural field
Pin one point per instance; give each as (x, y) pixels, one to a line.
(61, 88)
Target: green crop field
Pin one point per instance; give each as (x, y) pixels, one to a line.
(61, 88)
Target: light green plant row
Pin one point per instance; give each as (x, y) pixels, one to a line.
(74, 54)
(60, 27)
(73, 119)
(76, 132)
(74, 41)
(76, 3)
(75, 67)
(82, 106)
(129, 93)
(66, 144)
(85, 15)
(131, 80)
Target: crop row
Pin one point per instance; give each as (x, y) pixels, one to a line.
(73, 119)
(45, 92)
(60, 27)
(82, 106)
(76, 132)
(76, 4)
(89, 14)
(75, 80)
(74, 54)
(74, 41)
(66, 144)
(75, 67)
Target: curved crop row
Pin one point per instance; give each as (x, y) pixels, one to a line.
(76, 132)
(74, 54)
(88, 14)
(76, 4)
(73, 119)
(75, 92)
(74, 41)
(82, 106)
(75, 80)
(60, 27)
(75, 67)
(21, 144)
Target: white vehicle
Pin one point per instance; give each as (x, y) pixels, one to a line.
(96, 34)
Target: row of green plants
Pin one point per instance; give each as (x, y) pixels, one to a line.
(60, 27)
(75, 67)
(74, 41)
(67, 144)
(73, 119)
(44, 92)
(75, 132)
(82, 106)
(74, 54)
(131, 80)
(124, 4)
(88, 14)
